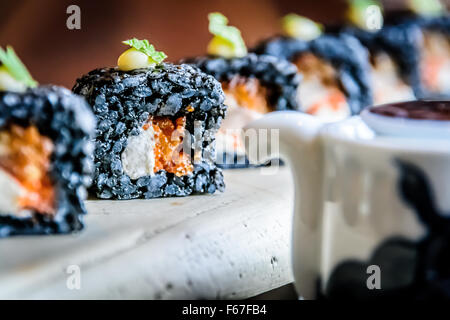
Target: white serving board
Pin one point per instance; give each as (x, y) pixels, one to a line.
(230, 245)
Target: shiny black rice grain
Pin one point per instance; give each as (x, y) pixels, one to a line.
(278, 76)
(123, 101)
(344, 53)
(67, 120)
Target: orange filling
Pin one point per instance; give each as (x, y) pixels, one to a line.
(25, 155)
(312, 66)
(335, 99)
(435, 55)
(169, 155)
(431, 68)
(248, 93)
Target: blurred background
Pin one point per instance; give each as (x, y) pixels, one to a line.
(54, 54)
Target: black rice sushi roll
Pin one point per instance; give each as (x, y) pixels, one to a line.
(253, 85)
(45, 154)
(394, 59)
(433, 50)
(335, 68)
(393, 52)
(435, 56)
(156, 126)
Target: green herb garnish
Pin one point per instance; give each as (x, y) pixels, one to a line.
(300, 27)
(227, 40)
(15, 68)
(145, 47)
(426, 7)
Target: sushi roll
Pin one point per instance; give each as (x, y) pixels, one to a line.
(335, 84)
(253, 85)
(393, 53)
(433, 50)
(45, 153)
(434, 63)
(156, 126)
(394, 59)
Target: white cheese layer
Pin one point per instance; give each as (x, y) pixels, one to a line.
(387, 85)
(435, 66)
(312, 94)
(11, 191)
(138, 158)
(443, 80)
(228, 138)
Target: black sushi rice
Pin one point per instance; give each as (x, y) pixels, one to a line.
(344, 53)
(439, 24)
(401, 42)
(123, 101)
(278, 76)
(67, 120)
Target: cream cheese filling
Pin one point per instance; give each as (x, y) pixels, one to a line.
(228, 138)
(10, 194)
(435, 66)
(387, 85)
(138, 158)
(315, 98)
(444, 78)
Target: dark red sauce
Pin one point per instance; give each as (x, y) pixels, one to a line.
(421, 110)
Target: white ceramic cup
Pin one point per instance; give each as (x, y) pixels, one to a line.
(372, 212)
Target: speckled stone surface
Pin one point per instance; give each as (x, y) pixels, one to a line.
(230, 245)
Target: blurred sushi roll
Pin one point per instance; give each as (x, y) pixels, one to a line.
(253, 85)
(45, 154)
(156, 126)
(433, 49)
(394, 59)
(394, 50)
(435, 56)
(335, 68)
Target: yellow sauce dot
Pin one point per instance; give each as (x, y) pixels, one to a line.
(134, 59)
